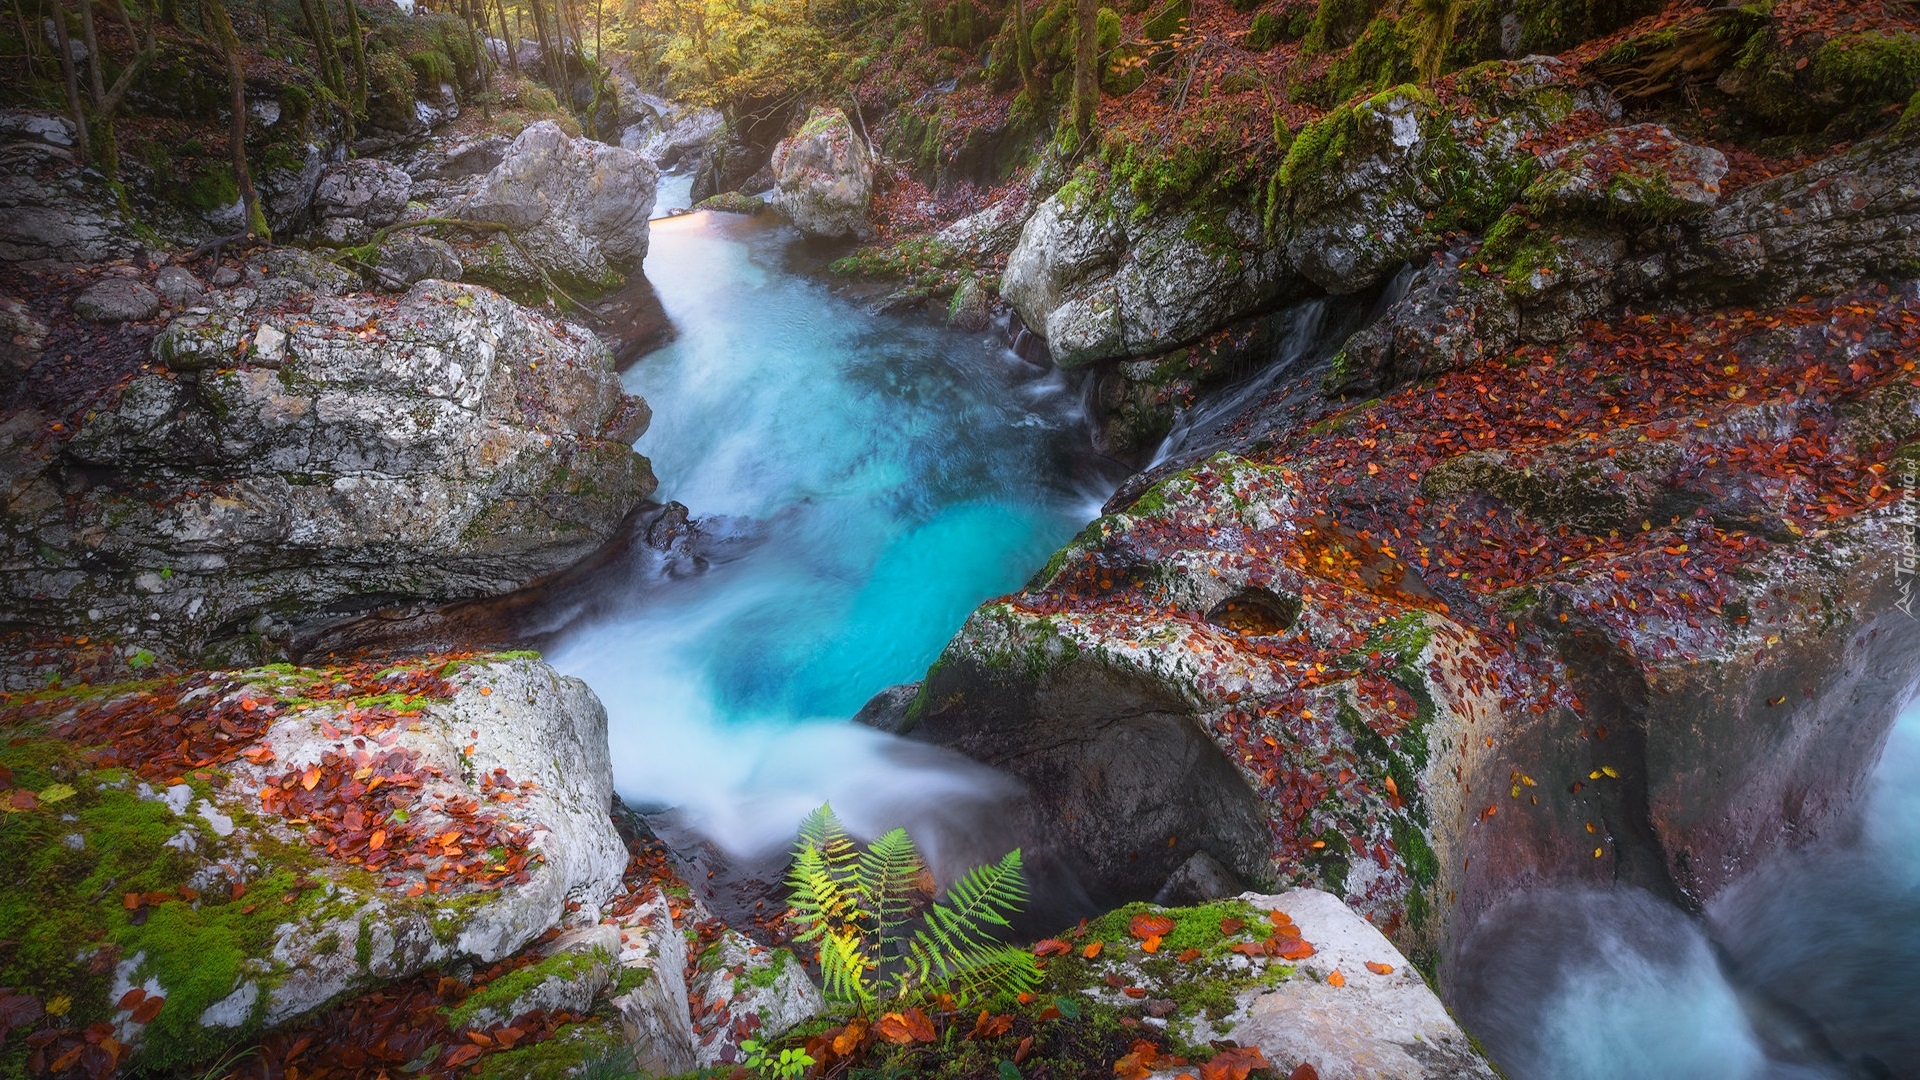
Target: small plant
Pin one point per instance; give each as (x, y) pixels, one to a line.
(878, 939)
(788, 1064)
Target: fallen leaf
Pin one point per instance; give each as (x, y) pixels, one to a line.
(1379, 968)
(1092, 950)
(148, 1009)
(1150, 926)
(1334, 978)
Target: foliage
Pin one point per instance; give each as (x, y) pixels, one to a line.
(787, 1064)
(863, 910)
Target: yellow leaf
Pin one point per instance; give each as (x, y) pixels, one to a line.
(56, 793)
(1612, 773)
(60, 1005)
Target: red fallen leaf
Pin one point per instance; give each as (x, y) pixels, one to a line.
(1379, 969)
(1304, 1072)
(1135, 992)
(1188, 956)
(1288, 948)
(1234, 1064)
(1051, 947)
(6, 777)
(148, 1009)
(1139, 1062)
(460, 1055)
(1021, 1051)
(130, 901)
(22, 799)
(1049, 1013)
(480, 1038)
(1280, 919)
(1093, 950)
(132, 998)
(1250, 948)
(1150, 926)
(989, 1026)
(17, 1010)
(1229, 927)
(911, 1026)
(310, 777)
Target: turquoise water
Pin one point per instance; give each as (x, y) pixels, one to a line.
(886, 475)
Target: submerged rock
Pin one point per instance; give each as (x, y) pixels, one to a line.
(823, 177)
(331, 454)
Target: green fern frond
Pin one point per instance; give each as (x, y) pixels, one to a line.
(888, 873)
(956, 945)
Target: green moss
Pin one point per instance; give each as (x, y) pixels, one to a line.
(502, 992)
(763, 977)
(1870, 68)
(1909, 119)
(566, 1056)
(1167, 22)
(1268, 30)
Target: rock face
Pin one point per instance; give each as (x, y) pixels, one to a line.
(117, 299)
(1098, 279)
(22, 336)
(298, 454)
(578, 209)
(356, 197)
(493, 819)
(823, 177)
(52, 208)
(748, 991)
(670, 134)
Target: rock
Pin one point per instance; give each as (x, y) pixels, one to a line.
(314, 463)
(887, 710)
(178, 286)
(1097, 276)
(992, 233)
(286, 184)
(52, 207)
(655, 1023)
(577, 208)
(1814, 230)
(406, 259)
(748, 988)
(1450, 318)
(1199, 879)
(329, 913)
(670, 134)
(1362, 185)
(1375, 1025)
(473, 157)
(357, 197)
(574, 970)
(1640, 173)
(1333, 995)
(117, 299)
(732, 202)
(823, 177)
(22, 336)
(972, 306)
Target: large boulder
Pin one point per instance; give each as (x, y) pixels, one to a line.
(823, 177)
(1098, 276)
(671, 134)
(354, 198)
(296, 454)
(577, 209)
(53, 208)
(229, 851)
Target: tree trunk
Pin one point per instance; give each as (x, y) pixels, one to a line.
(237, 134)
(1023, 54)
(507, 39)
(361, 80)
(482, 55)
(96, 81)
(64, 42)
(1086, 76)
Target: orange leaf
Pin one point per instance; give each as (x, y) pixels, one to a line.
(132, 998)
(378, 840)
(460, 1056)
(1234, 1064)
(1051, 947)
(310, 777)
(480, 1038)
(1092, 950)
(1150, 926)
(902, 1028)
(1379, 969)
(1304, 1072)
(990, 1026)
(1229, 927)
(1336, 979)
(1151, 945)
(1020, 1052)
(1188, 956)
(1288, 948)
(148, 1009)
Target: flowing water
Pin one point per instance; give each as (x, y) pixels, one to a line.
(880, 477)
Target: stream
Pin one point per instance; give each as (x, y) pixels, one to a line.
(870, 479)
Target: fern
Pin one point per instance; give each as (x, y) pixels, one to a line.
(861, 909)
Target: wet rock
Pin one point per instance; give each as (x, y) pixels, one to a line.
(117, 299)
(573, 971)
(971, 308)
(1199, 879)
(823, 177)
(324, 461)
(887, 710)
(357, 197)
(654, 1019)
(992, 233)
(672, 135)
(578, 209)
(1451, 317)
